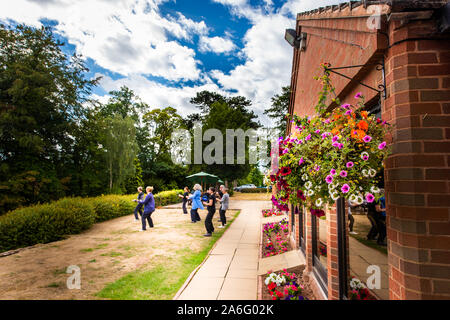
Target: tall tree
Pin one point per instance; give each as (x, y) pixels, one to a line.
(222, 113)
(42, 91)
(279, 109)
(120, 150)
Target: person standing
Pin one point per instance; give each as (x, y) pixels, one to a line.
(224, 206)
(350, 216)
(139, 205)
(381, 220)
(185, 198)
(372, 215)
(219, 196)
(196, 203)
(211, 204)
(149, 208)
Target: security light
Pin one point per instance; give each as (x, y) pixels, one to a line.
(294, 40)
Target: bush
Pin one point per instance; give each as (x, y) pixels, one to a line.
(254, 190)
(45, 223)
(51, 222)
(164, 198)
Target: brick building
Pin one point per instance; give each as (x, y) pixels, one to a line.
(401, 53)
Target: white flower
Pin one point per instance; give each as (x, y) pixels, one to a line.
(359, 200)
(353, 197)
(372, 173)
(319, 202)
(365, 173)
(308, 185)
(356, 284)
(335, 195)
(374, 189)
(364, 155)
(309, 193)
(333, 186)
(305, 177)
(317, 188)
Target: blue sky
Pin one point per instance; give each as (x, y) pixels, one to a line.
(167, 50)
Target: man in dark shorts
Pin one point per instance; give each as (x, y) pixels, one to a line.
(372, 215)
(139, 205)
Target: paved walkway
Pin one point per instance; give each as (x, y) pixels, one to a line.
(230, 271)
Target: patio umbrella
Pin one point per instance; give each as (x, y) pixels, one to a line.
(203, 178)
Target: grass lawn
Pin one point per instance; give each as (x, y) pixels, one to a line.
(164, 280)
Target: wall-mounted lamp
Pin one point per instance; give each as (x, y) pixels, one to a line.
(294, 40)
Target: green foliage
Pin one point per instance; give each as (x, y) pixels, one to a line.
(279, 109)
(219, 112)
(53, 221)
(42, 92)
(45, 223)
(120, 150)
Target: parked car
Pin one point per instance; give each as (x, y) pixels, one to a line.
(244, 186)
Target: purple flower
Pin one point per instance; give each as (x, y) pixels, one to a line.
(333, 172)
(358, 95)
(348, 112)
(367, 139)
(324, 135)
(335, 138)
(350, 164)
(317, 131)
(329, 179)
(340, 146)
(285, 151)
(308, 137)
(336, 144)
(343, 173)
(370, 198)
(382, 145)
(345, 188)
(346, 106)
(317, 168)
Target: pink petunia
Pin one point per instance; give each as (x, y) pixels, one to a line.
(367, 139)
(308, 137)
(345, 188)
(335, 139)
(358, 95)
(301, 161)
(350, 164)
(329, 179)
(382, 145)
(370, 198)
(333, 172)
(343, 173)
(348, 112)
(345, 106)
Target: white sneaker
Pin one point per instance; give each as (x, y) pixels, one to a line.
(142, 230)
(221, 227)
(353, 232)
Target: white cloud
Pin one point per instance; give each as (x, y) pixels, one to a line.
(158, 95)
(215, 44)
(123, 36)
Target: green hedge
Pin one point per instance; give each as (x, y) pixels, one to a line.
(51, 222)
(254, 190)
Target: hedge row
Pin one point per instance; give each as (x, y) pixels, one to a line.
(51, 222)
(254, 190)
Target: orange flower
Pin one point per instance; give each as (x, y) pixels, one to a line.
(362, 125)
(358, 134)
(351, 123)
(364, 114)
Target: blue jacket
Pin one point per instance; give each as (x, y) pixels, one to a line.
(196, 201)
(149, 203)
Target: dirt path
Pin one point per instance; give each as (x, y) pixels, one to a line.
(104, 253)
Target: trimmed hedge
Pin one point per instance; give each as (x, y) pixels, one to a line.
(254, 190)
(45, 223)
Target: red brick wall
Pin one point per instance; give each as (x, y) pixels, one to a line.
(417, 173)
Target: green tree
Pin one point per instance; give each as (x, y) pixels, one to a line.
(279, 109)
(120, 150)
(219, 112)
(42, 92)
